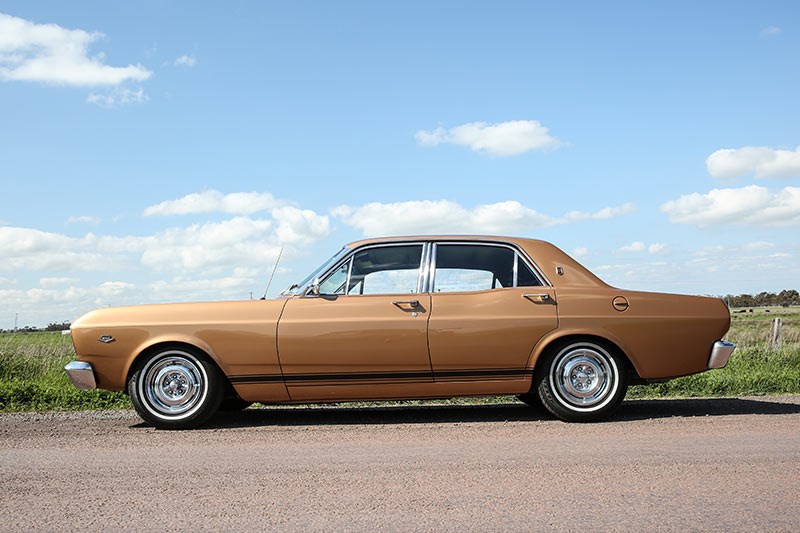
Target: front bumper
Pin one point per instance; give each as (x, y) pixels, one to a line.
(81, 374)
(720, 354)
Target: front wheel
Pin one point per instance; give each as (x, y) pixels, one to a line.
(176, 388)
(581, 381)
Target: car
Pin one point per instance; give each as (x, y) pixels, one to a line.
(402, 318)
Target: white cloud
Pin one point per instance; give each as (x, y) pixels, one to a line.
(514, 137)
(639, 246)
(48, 53)
(185, 61)
(580, 251)
(758, 245)
(212, 201)
(770, 31)
(49, 283)
(84, 219)
(636, 246)
(444, 216)
(440, 216)
(35, 250)
(603, 214)
(300, 226)
(210, 246)
(762, 161)
(751, 205)
(118, 97)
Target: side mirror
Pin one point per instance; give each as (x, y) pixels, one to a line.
(314, 289)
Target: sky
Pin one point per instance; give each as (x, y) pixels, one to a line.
(171, 151)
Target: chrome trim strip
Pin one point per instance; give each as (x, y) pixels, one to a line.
(81, 374)
(720, 354)
(432, 268)
(422, 280)
(347, 281)
(515, 282)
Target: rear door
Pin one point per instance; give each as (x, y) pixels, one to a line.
(488, 310)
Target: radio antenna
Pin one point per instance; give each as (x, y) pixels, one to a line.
(274, 269)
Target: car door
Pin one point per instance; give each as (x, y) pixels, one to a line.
(365, 332)
(488, 310)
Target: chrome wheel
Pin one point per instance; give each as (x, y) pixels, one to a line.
(583, 377)
(174, 384)
(581, 381)
(176, 387)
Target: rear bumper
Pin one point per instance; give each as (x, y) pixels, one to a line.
(81, 374)
(720, 354)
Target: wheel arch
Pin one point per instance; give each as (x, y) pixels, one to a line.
(201, 351)
(564, 338)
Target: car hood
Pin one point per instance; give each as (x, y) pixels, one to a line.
(194, 313)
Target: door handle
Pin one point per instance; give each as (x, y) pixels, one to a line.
(539, 297)
(410, 303)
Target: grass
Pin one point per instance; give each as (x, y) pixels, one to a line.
(32, 376)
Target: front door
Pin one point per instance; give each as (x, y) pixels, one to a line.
(365, 334)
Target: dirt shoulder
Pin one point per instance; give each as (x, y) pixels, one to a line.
(709, 464)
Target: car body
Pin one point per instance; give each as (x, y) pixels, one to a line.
(406, 317)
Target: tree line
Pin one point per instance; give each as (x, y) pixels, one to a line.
(52, 326)
(785, 298)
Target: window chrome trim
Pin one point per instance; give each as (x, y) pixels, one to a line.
(432, 268)
(354, 251)
(518, 254)
(427, 269)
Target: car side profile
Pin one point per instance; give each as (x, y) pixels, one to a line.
(401, 318)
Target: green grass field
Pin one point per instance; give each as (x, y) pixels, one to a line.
(32, 376)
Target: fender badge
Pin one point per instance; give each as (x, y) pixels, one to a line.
(106, 339)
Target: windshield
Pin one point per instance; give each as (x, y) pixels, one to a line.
(299, 288)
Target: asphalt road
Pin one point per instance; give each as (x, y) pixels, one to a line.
(660, 465)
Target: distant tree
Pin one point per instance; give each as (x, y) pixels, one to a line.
(785, 298)
(788, 297)
(57, 326)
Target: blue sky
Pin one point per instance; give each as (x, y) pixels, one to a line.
(167, 151)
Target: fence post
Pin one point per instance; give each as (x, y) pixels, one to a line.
(775, 334)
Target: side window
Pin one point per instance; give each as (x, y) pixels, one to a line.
(525, 277)
(386, 270)
(474, 267)
(380, 270)
(471, 267)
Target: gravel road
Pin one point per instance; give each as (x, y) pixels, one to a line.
(660, 465)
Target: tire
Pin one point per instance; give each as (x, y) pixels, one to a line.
(176, 388)
(531, 399)
(233, 404)
(581, 381)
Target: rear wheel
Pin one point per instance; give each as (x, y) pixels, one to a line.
(581, 381)
(176, 388)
